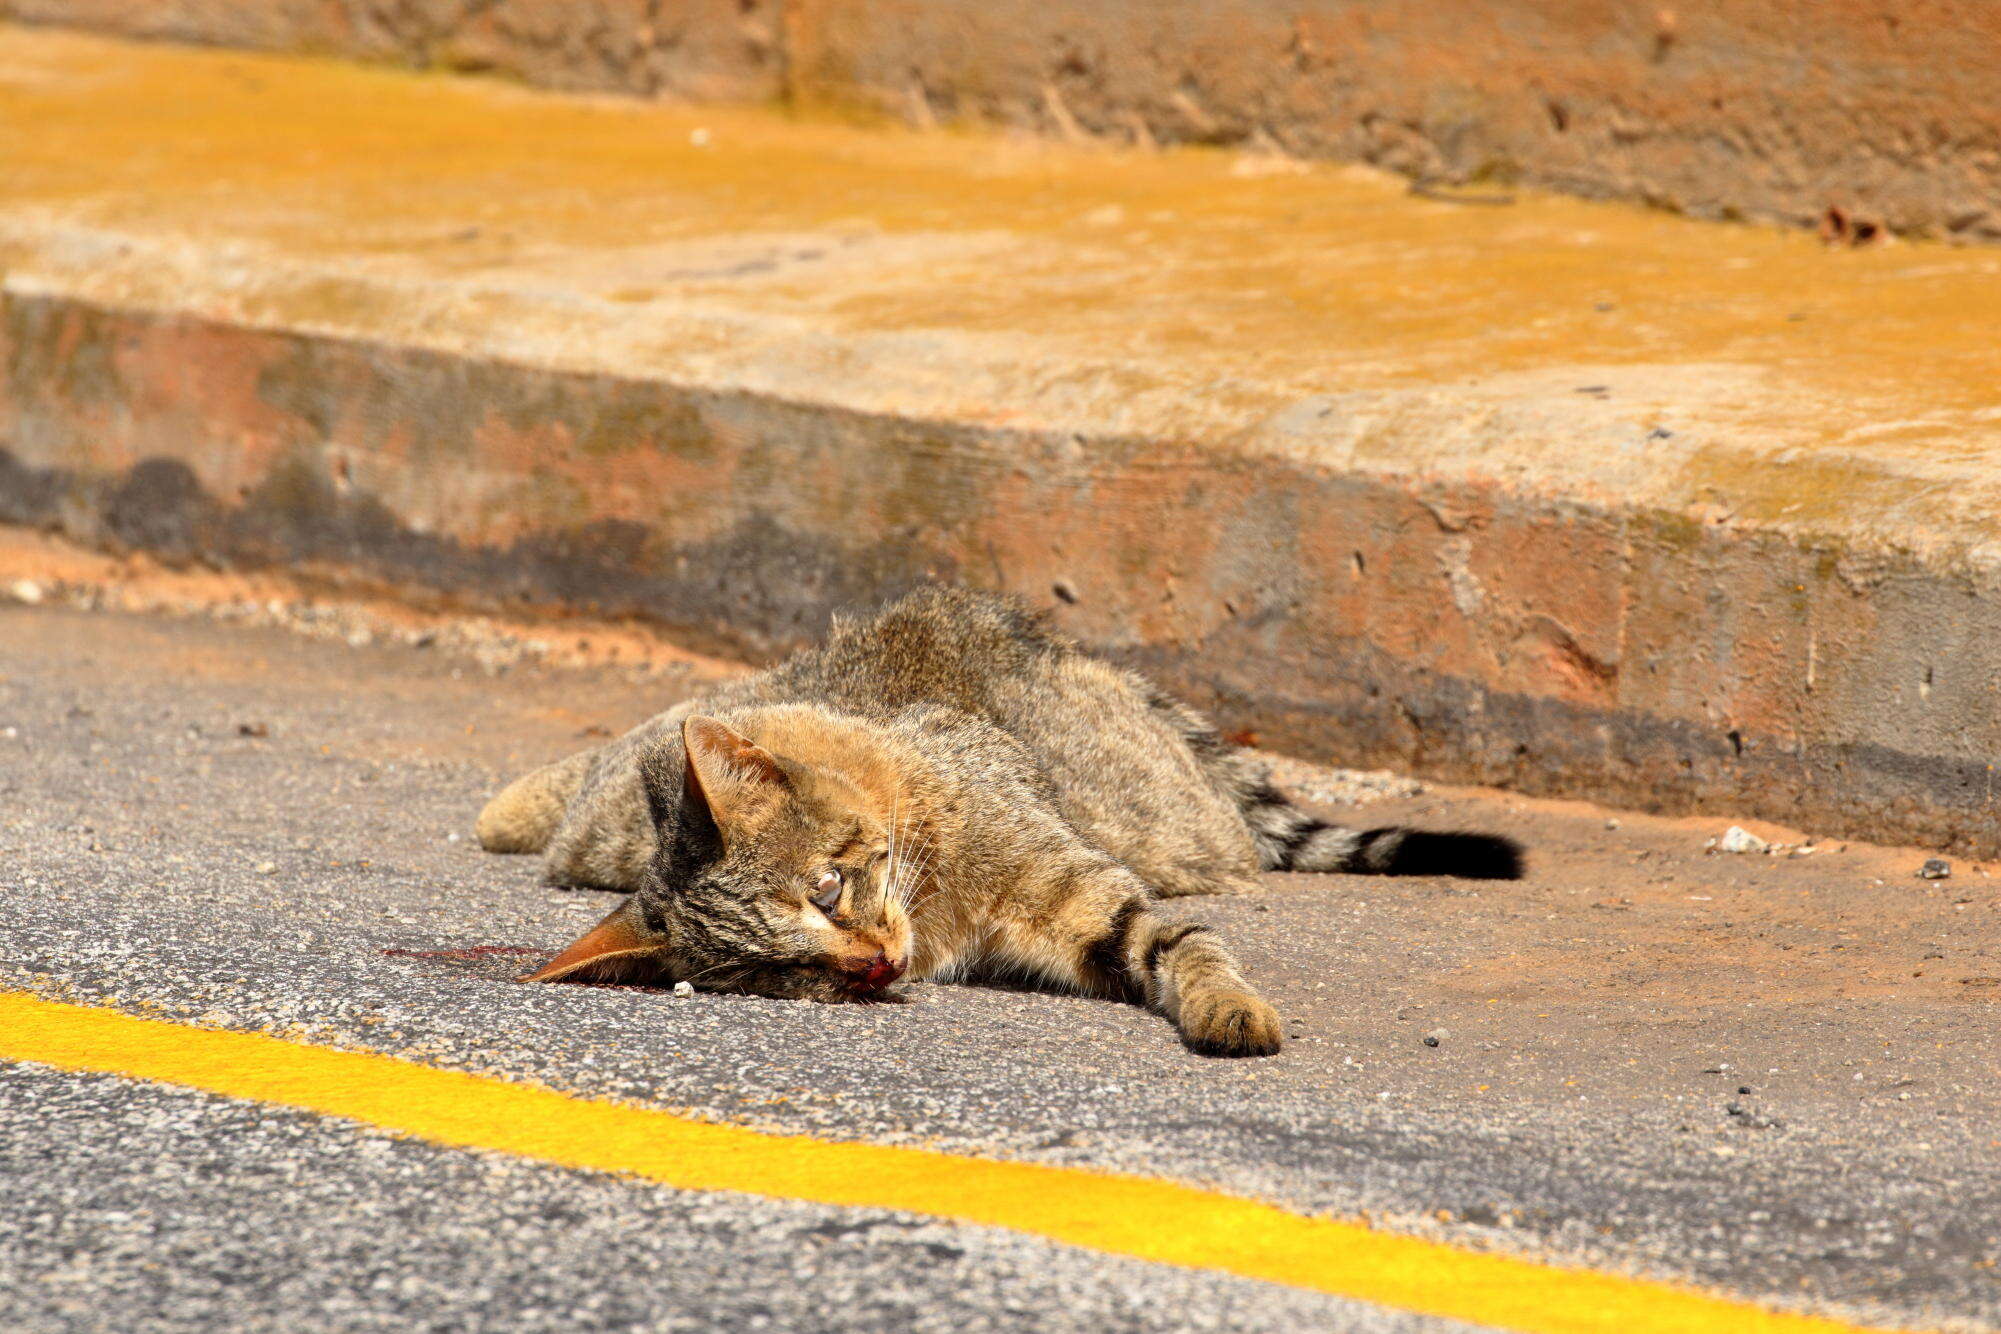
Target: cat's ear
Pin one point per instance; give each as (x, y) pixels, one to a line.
(620, 948)
(728, 775)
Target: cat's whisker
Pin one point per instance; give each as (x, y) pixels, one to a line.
(899, 878)
(738, 970)
(915, 865)
(894, 888)
(895, 864)
(913, 874)
(693, 978)
(912, 883)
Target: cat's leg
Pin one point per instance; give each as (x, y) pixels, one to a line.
(528, 811)
(1101, 936)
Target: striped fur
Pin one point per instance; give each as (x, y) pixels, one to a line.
(1290, 839)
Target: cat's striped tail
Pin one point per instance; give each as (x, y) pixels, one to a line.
(1289, 839)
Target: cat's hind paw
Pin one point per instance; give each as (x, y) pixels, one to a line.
(1230, 1023)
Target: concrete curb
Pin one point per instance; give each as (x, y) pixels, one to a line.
(1264, 590)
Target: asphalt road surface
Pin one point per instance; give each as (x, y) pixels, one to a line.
(248, 829)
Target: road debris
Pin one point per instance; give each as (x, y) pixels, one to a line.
(1739, 839)
(1750, 1118)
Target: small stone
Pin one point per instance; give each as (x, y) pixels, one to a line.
(1436, 1036)
(26, 590)
(683, 990)
(1611, 824)
(1935, 868)
(267, 868)
(1739, 839)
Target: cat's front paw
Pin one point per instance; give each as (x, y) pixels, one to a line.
(1230, 1023)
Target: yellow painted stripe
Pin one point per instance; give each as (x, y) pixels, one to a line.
(1122, 1215)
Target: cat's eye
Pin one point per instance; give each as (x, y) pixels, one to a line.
(827, 892)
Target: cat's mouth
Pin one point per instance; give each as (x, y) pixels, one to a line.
(869, 978)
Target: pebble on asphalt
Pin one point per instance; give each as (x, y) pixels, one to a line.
(682, 990)
(1436, 1036)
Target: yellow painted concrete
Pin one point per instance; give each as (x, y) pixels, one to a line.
(1246, 303)
(1148, 1219)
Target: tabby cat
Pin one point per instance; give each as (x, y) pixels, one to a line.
(948, 789)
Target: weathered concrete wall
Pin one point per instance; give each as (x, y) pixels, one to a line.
(1632, 655)
(1889, 114)
(1774, 108)
(697, 49)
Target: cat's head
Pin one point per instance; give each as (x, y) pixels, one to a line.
(775, 875)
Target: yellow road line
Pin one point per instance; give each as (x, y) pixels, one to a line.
(1122, 1215)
